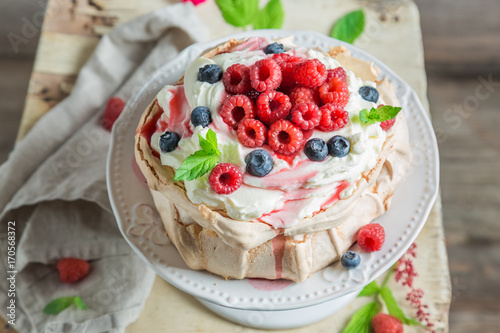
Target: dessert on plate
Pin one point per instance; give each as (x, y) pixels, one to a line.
(265, 159)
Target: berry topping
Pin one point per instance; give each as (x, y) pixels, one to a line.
(253, 94)
(210, 73)
(387, 124)
(272, 105)
(287, 63)
(259, 162)
(72, 269)
(274, 48)
(336, 72)
(333, 117)
(338, 146)
(350, 260)
(384, 323)
(304, 95)
(225, 178)
(306, 115)
(334, 90)
(371, 237)
(369, 94)
(235, 109)
(114, 108)
(252, 133)
(311, 73)
(236, 79)
(265, 74)
(316, 150)
(169, 141)
(284, 137)
(201, 116)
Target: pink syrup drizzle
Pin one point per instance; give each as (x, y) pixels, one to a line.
(269, 285)
(252, 44)
(336, 196)
(278, 243)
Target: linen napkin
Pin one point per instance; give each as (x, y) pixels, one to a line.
(53, 187)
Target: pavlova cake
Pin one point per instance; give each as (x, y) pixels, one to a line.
(266, 159)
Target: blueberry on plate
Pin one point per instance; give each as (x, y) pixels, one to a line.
(274, 48)
(369, 94)
(169, 141)
(338, 146)
(316, 150)
(259, 162)
(350, 260)
(201, 116)
(210, 73)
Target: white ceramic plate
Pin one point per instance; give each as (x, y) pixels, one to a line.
(142, 228)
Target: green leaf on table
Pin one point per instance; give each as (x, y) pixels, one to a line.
(58, 305)
(270, 17)
(394, 309)
(239, 13)
(382, 113)
(349, 27)
(79, 302)
(361, 321)
(370, 289)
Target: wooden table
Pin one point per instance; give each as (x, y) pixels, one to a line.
(70, 33)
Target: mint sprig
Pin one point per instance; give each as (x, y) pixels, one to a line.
(58, 305)
(361, 321)
(242, 13)
(349, 27)
(201, 161)
(380, 114)
(270, 17)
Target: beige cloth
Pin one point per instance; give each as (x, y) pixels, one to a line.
(54, 187)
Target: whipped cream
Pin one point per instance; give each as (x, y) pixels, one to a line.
(291, 191)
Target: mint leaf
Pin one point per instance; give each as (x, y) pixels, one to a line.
(363, 116)
(196, 165)
(394, 309)
(79, 302)
(382, 113)
(209, 145)
(270, 17)
(370, 289)
(349, 27)
(361, 321)
(239, 13)
(58, 305)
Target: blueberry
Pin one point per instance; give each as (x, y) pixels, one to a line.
(338, 146)
(259, 163)
(201, 115)
(369, 94)
(274, 48)
(210, 73)
(169, 141)
(350, 260)
(316, 149)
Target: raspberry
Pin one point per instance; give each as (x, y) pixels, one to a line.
(311, 73)
(336, 72)
(304, 95)
(72, 269)
(333, 117)
(387, 124)
(284, 137)
(236, 108)
(113, 110)
(334, 91)
(287, 63)
(236, 79)
(384, 323)
(371, 237)
(306, 115)
(265, 74)
(272, 105)
(252, 133)
(225, 178)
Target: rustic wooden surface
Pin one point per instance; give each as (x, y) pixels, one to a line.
(89, 22)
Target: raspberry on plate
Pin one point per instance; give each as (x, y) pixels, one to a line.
(311, 73)
(334, 91)
(225, 178)
(72, 269)
(284, 137)
(384, 323)
(236, 79)
(333, 117)
(287, 63)
(272, 105)
(114, 108)
(236, 108)
(387, 124)
(371, 237)
(252, 133)
(304, 95)
(306, 115)
(336, 72)
(265, 74)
